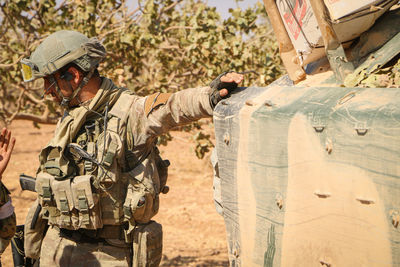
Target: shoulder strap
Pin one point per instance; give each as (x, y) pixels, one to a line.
(121, 108)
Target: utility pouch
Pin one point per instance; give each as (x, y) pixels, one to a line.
(35, 230)
(86, 202)
(65, 204)
(138, 205)
(147, 245)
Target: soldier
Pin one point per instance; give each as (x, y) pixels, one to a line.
(100, 176)
(7, 215)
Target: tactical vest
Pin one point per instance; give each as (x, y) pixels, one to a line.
(111, 186)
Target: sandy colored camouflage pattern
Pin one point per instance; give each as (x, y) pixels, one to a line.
(180, 108)
(60, 251)
(147, 245)
(33, 237)
(175, 110)
(7, 225)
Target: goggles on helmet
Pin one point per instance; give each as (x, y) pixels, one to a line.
(28, 70)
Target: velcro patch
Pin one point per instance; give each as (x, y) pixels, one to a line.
(155, 100)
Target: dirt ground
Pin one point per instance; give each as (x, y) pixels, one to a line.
(194, 234)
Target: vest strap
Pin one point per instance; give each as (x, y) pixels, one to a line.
(64, 208)
(121, 108)
(46, 190)
(83, 207)
(109, 158)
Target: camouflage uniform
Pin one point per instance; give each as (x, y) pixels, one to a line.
(101, 174)
(147, 117)
(7, 218)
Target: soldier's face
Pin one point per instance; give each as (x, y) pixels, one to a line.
(50, 88)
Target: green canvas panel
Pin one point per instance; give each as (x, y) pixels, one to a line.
(314, 179)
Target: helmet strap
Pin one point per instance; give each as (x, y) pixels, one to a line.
(84, 81)
(64, 100)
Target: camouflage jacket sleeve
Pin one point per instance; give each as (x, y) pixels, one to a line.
(158, 113)
(7, 218)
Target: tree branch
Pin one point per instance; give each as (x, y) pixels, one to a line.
(39, 119)
(108, 19)
(5, 66)
(45, 118)
(167, 8)
(179, 27)
(101, 36)
(169, 47)
(30, 96)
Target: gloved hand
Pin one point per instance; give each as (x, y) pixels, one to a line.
(223, 85)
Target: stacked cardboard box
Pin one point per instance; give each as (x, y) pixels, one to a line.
(350, 18)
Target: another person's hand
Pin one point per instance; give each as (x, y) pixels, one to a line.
(6, 147)
(223, 85)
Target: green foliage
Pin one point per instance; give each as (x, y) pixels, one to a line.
(162, 46)
(203, 144)
(386, 77)
(163, 139)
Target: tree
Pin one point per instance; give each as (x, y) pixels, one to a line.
(163, 45)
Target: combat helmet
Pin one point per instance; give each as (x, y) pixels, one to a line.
(58, 50)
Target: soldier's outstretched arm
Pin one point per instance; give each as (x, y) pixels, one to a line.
(164, 111)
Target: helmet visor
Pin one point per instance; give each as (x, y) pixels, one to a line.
(27, 70)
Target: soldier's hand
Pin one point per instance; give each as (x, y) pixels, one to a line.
(6, 147)
(223, 85)
(227, 80)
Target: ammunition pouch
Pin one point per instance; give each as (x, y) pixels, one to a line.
(86, 203)
(71, 204)
(147, 245)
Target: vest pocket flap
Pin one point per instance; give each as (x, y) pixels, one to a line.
(139, 172)
(53, 166)
(43, 185)
(63, 195)
(82, 192)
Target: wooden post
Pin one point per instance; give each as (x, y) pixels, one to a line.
(286, 49)
(333, 48)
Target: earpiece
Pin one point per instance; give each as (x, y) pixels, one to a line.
(68, 76)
